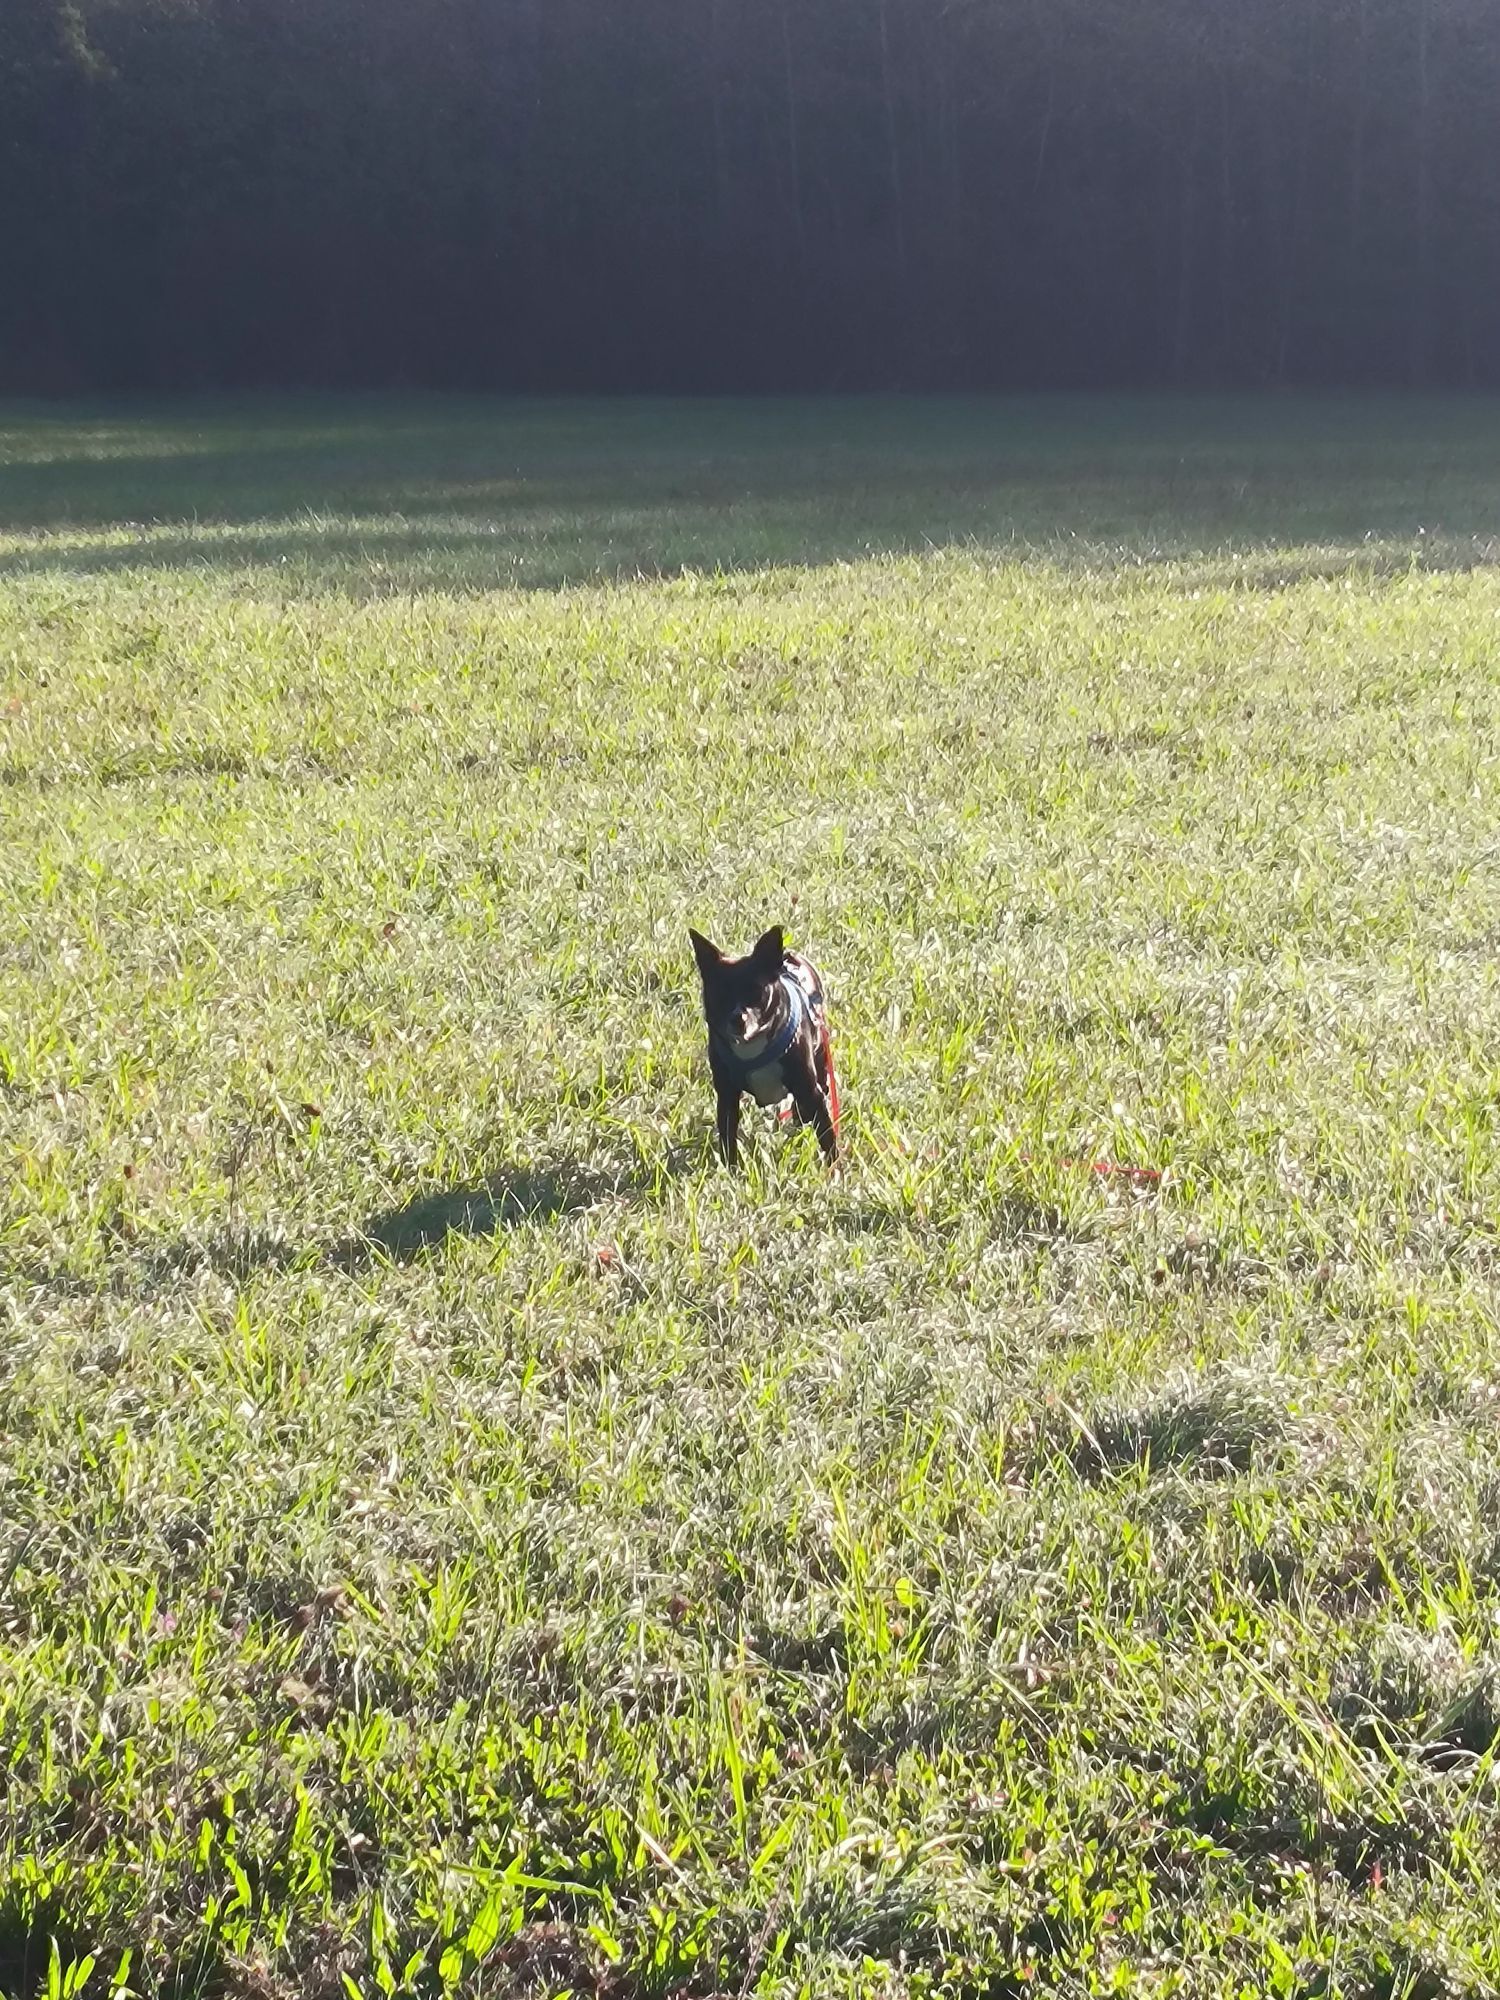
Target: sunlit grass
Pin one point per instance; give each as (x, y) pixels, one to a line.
(457, 1537)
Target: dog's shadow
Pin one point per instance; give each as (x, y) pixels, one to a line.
(401, 1235)
(501, 1201)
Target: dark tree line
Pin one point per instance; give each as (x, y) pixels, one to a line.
(664, 194)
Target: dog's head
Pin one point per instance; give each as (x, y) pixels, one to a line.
(742, 996)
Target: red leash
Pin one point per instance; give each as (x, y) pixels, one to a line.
(826, 1045)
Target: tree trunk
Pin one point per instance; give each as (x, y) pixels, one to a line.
(1422, 303)
(892, 142)
(1186, 229)
(793, 136)
(1291, 267)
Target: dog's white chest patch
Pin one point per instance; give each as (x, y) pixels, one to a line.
(765, 1085)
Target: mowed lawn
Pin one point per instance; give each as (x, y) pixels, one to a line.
(455, 1538)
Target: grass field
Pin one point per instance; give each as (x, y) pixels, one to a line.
(456, 1538)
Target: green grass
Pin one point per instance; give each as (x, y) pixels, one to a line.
(457, 1538)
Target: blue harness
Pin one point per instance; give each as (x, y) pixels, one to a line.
(780, 1042)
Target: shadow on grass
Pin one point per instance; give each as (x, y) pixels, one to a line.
(373, 497)
(1213, 1427)
(446, 552)
(484, 1208)
(542, 1958)
(517, 1195)
(399, 1235)
(26, 1938)
(30, 1930)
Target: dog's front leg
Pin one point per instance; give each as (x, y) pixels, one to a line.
(813, 1109)
(729, 1123)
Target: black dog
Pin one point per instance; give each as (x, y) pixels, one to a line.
(768, 1034)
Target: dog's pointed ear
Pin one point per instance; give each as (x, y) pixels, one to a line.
(769, 954)
(708, 955)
